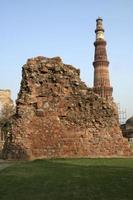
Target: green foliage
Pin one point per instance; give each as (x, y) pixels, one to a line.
(64, 179)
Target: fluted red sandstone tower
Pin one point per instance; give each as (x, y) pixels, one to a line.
(101, 72)
(57, 115)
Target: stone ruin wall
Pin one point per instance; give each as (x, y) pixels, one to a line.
(6, 104)
(5, 98)
(57, 115)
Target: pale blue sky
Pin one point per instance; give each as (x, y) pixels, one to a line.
(65, 28)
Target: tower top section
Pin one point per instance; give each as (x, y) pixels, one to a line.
(99, 29)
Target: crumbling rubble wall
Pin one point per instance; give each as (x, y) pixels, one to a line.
(6, 110)
(57, 115)
(5, 101)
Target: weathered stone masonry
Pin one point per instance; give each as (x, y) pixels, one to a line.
(6, 110)
(59, 116)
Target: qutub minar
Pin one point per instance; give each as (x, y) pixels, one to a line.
(57, 115)
(101, 72)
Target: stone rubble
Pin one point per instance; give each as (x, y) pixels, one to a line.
(5, 101)
(6, 110)
(57, 115)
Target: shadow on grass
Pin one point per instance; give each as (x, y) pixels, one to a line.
(64, 179)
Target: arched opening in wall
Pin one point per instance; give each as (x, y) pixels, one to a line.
(2, 136)
(2, 140)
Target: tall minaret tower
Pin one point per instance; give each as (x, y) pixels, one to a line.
(101, 72)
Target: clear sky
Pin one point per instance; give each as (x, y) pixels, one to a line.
(65, 28)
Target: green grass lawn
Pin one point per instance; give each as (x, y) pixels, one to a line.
(68, 179)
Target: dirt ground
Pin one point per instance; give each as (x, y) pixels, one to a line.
(4, 164)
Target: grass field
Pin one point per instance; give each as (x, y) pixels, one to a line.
(68, 179)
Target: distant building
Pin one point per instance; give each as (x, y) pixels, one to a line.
(6, 109)
(127, 129)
